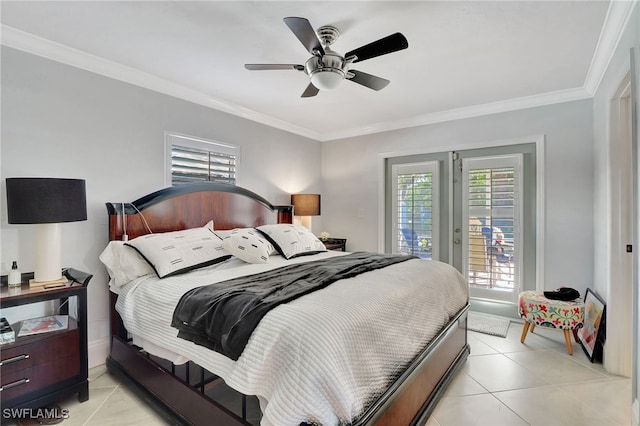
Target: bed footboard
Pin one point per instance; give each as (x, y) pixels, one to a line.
(411, 399)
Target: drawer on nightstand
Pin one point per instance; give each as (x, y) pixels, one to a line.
(34, 350)
(40, 376)
(30, 364)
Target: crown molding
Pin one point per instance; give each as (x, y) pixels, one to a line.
(466, 112)
(26, 42)
(617, 17)
(616, 20)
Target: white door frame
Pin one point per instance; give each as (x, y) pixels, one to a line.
(635, 141)
(617, 357)
(539, 140)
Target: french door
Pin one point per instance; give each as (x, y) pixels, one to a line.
(474, 209)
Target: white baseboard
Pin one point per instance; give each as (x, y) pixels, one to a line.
(98, 351)
(635, 413)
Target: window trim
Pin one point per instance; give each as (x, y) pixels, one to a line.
(180, 139)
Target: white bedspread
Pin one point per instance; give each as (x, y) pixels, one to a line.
(322, 357)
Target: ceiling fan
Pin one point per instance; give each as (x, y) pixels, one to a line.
(327, 68)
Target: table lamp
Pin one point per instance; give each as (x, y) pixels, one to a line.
(46, 202)
(306, 205)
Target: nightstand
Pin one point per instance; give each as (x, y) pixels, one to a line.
(339, 244)
(41, 369)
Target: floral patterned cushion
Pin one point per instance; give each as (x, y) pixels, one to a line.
(540, 311)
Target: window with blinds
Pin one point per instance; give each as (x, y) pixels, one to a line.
(415, 217)
(197, 160)
(492, 224)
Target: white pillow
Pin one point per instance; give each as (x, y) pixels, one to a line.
(223, 233)
(123, 263)
(172, 253)
(292, 240)
(249, 245)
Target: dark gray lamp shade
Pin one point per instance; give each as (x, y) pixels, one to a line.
(46, 200)
(306, 204)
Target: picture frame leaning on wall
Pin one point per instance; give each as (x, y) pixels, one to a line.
(592, 335)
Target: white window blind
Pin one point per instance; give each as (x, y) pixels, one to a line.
(197, 160)
(415, 200)
(493, 216)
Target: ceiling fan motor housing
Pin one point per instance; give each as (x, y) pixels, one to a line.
(328, 71)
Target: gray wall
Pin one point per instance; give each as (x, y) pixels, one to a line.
(60, 121)
(350, 170)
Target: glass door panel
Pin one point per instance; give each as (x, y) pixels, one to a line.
(491, 233)
(415, 209)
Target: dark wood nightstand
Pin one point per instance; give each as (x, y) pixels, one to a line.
(339, 244)
(41, 369)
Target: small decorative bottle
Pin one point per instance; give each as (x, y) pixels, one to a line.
(14, 279)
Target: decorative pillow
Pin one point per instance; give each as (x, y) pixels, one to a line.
(292, 240)
(223, 233)
(172, 253)
(123, 263)
(249, 245)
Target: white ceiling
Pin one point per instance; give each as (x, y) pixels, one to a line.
(464, 58)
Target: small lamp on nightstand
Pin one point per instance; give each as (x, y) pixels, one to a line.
(46, 202)
(306, 205)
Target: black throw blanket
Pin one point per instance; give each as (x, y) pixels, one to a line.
(222, 316)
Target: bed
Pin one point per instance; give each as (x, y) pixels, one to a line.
(296, 379)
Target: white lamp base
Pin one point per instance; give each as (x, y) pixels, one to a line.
(305, 221)
(48, 251)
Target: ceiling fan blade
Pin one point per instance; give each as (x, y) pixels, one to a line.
(388, 44)
(368, 80)
(260, 67)
(305, 33)
(310, 91)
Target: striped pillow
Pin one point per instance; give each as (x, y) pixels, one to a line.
(172, 253)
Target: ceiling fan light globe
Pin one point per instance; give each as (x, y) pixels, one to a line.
(327, 78)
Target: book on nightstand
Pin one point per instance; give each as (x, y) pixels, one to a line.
(43, 325)
(7, 334)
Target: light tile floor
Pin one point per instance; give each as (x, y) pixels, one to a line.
(503, 382)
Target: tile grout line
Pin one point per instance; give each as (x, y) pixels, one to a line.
(578, 363)
(101, 405)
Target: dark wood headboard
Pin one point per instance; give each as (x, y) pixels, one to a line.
(193, 205)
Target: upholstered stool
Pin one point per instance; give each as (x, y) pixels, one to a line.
(536, 309)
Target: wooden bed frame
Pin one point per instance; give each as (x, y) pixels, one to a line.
(408, 401)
